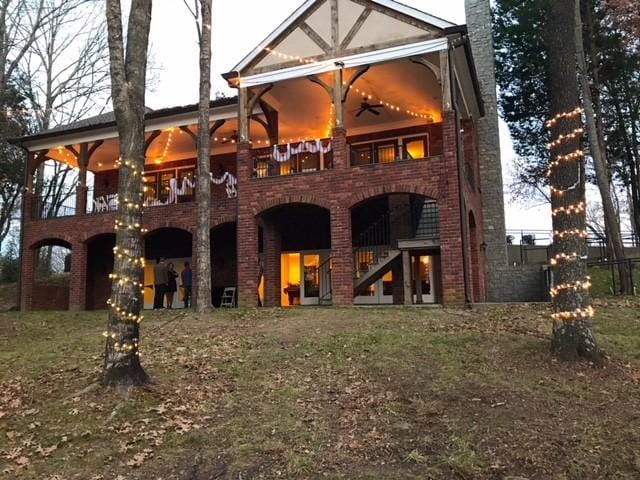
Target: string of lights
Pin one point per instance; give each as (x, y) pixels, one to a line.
(581, 285)
(286, 56)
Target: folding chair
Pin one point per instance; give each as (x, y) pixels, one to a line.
(228, 297)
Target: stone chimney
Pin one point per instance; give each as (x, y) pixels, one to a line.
(478, 13)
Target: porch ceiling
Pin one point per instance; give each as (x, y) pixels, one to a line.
(304, 107)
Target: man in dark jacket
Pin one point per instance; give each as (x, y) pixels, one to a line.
(160, 279)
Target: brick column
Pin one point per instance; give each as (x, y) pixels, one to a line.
(248, 261)
(272, 249)
(78, 279)
(81, 199)
(341, 256)
(341, 158)
(27, 276)
(449, 212)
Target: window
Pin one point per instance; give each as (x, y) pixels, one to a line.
(386, 152)
(362, 155)
(416, 148)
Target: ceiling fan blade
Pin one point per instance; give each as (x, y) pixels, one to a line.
(380, 105)
(375, 112)
(362, 110)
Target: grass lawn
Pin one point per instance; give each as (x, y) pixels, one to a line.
(397, 393)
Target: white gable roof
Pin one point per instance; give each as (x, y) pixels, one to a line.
(416, 14)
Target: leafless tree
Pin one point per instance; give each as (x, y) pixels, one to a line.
(203, 142)
(128, 67)
(598, 153)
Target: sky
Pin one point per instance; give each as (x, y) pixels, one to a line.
(240, 25)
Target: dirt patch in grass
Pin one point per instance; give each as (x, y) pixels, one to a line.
(354, 393)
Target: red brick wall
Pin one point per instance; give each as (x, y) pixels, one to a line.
(338, 190)
(50, 297)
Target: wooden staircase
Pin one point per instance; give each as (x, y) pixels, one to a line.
(374, 270)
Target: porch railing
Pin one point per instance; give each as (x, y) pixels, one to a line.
(46, 207)
(324, 271)
(102, 202)
(372, 245)
(293, 158)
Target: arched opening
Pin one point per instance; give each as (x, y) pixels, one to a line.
(170, 248)
(52, 275)
(396, 245)
(295, 255)
(99, 267)
(224, 260)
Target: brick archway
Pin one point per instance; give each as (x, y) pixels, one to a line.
(364, 195)
(59, 241)
(289, 200)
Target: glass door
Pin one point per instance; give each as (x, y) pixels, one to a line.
(426, 278)
(310, 279)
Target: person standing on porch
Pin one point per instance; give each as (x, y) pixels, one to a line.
(172, 285)
(160, 280)
(187, 284)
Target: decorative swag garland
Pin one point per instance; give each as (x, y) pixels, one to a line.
(313, 146)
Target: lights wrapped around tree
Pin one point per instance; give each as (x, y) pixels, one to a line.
(579, 234)
(138, 263)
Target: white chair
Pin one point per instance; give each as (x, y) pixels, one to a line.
(228, 298)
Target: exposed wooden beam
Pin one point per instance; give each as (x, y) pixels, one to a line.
(255, 98)
(398, 16)
(430, 65)
(322, 83)
(95, 146)
(216, 126)
(271, 115)
(347, 88)
(155, 134)
(72, 149)
(335, 26)
(338, 103)
(355, 28)
(317, 39)
(243, 116)
(445, 82)
(188, 131)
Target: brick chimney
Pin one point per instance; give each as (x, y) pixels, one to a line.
(478, 13)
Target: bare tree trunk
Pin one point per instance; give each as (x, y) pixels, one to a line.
(128, 75)
(598, 153)
(573, 336)
(203, 285)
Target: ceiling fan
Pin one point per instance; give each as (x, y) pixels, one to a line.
(233, 138)
(365, 106)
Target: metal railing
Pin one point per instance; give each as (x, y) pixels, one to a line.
(372, 244)
(268, 164)
(606, 276)
(374, 153)
(324, 272)
(535, 246)
(101, 203)
(46, 207)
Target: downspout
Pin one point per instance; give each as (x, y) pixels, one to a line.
(464, 227)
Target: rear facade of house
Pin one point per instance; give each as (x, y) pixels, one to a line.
(346, 171)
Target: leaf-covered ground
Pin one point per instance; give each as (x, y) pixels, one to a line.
(396, 393)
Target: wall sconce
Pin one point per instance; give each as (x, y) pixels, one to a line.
(483, 246)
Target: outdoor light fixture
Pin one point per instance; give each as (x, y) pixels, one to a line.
(483, 246)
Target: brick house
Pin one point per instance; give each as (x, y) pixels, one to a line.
(346, 171)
